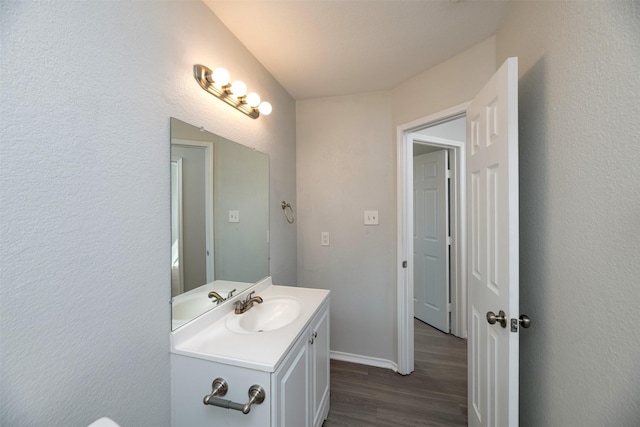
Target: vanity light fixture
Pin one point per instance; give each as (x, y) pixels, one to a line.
(218, 83)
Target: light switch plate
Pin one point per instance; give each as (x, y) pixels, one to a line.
(234, 216)
(370, 217)
(324, 238)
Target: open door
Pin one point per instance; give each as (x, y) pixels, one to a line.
(493, 252)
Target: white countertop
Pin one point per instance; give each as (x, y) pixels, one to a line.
(209, 338)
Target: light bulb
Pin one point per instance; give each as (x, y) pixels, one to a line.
(221, 77)
(252, 99)
(265, 108)
(238, 88)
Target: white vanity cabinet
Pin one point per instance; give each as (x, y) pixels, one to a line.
(319, 357)
(290, 364)
(300, 385)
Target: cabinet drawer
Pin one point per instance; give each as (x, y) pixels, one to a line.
(192, 380)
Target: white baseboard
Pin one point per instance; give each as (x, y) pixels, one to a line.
(364, 360)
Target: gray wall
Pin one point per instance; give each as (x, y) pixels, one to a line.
(344, 168)
(579, 209)
(450, 83)
(85, 229)
(346, 162)
(580, 203)
(455, 130)
(241, 182)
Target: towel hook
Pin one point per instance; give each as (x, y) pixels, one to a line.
(286, 206)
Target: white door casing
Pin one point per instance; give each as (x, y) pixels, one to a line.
(406, 137)
(177, 251)
(493, 253)
(431, 250)
(208, 199)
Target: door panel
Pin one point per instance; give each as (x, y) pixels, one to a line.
(431, 250)
(493, 280)
(292, 389)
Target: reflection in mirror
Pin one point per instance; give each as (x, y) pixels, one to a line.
(219, 220)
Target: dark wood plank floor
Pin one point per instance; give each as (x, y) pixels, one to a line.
(435, 394)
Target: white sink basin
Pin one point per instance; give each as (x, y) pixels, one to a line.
(274, 313)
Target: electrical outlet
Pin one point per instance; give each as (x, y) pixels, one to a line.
(324, 238)
(234, 216)
(370, 217)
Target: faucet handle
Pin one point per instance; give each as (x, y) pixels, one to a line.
(249, 296)
(230, 294)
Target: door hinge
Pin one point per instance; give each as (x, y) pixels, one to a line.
(448, 240)
(448, 173)
(449, 307)
(404, 264)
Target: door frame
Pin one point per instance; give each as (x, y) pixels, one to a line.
(178, 178)
(208, 188)
(405, 138)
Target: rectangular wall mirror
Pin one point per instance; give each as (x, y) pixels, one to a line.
(219, 219)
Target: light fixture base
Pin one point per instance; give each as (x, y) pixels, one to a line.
(200, 73)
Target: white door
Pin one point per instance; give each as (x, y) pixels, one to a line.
(493, 253)
(430, 243)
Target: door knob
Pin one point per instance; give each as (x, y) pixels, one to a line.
(500, 318)
(525, 322)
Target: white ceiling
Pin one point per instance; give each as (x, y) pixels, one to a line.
(325, 48)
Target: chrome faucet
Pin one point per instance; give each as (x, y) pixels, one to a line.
(216, 297)
(242, 306)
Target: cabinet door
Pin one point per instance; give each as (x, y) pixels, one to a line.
(292, 389)
(319, 355)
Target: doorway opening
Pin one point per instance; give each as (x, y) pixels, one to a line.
(436, 189)
(492, 263)
(192, 214)
(445, 132)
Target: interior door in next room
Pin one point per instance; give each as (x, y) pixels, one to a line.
(430, 240)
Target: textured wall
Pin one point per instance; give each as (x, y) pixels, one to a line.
(450, 83)
(86, 92)
(344, 168)
(346, 163)
(579, 209)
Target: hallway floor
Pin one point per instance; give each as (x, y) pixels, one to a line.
(435, 394)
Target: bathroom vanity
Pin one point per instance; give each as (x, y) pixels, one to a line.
(268, 365)
(275, 353)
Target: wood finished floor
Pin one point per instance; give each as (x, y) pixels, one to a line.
(435, 394)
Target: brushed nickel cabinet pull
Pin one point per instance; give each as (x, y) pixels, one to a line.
(220, 388)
